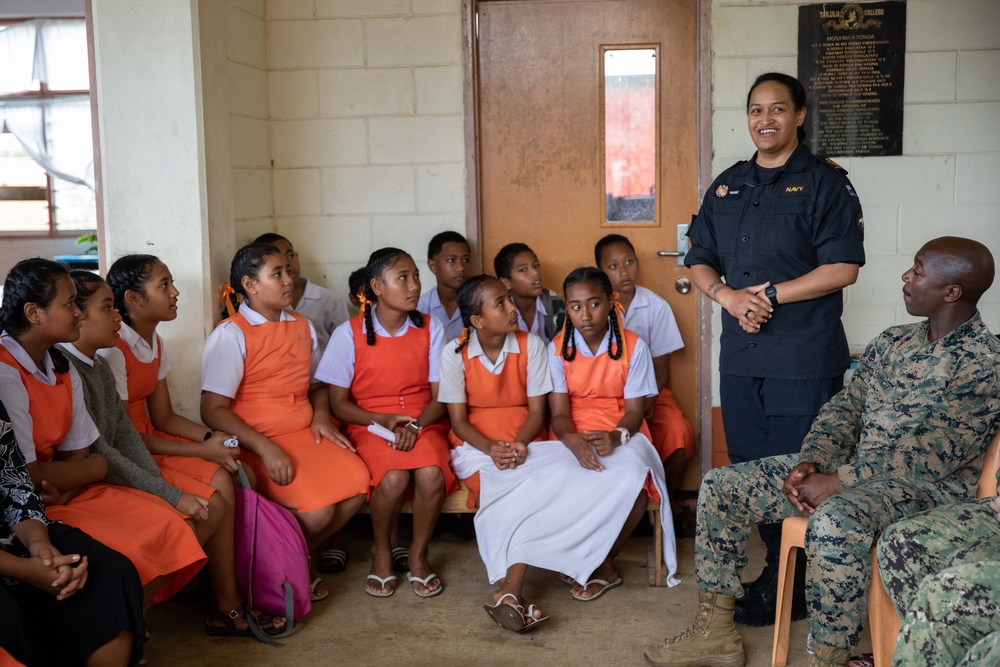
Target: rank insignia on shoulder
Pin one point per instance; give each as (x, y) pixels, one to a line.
(722, 191)
(830, 162)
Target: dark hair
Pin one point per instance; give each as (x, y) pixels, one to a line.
(438, 240)
(504, 261)
(591, 274)
(356, 281)
(470, 302)
(610, 239)
(248, 261)
(271, 238)
(87, 282)
(130, 272)
(795, 89)
(378, 262)
(31, 281)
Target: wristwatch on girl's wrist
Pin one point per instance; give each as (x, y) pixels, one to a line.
(415, 427)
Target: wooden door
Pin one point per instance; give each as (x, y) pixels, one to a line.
(541, 143)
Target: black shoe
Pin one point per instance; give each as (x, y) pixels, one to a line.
(685, 523)
(760, 598)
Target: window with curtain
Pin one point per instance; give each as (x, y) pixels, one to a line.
(46, 144)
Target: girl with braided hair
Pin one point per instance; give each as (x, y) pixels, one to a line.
(601, 377)
(44, 397)
(494, 380)
(190, 456)
(257, 383)
(382, 368)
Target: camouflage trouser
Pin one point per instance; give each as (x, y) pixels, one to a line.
(838, 539)
(954, 619)
(942, 572)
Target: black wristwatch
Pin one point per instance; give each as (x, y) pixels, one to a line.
(772, 294)
(209, 434)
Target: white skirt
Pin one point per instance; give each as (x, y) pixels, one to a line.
(552, 513)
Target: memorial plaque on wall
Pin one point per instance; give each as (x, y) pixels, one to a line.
(851, 59)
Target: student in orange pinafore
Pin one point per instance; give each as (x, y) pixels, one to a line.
(601, 377)
(44, 398)
(382, 368)
(494, 380)
(190, 456)
(257, 372)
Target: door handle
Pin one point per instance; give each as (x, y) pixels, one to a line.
(682, 246)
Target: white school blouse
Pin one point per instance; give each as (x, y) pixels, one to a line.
(451, 388)
(641, 380)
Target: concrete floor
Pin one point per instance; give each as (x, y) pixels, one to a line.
(353, 629)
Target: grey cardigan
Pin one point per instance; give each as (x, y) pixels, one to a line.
(129, 462)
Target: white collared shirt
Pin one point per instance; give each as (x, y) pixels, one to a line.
(538, 326)
(142, 351)
(14, 395)
(326, 309)
(641, 380)
(430, 302)
(337, 365)
(226, 350)
(451, 388)
(650, 316)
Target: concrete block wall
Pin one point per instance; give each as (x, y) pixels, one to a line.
(946, 181)
(250, 140)
(366, 128)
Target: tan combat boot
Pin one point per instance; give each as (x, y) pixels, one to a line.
(828, 656)
(711, 642)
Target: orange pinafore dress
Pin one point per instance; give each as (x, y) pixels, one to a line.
(496, 405)
(145, 528)
(596, 388)
(671, 430)
(273, 399)
(390, 377)
(187, 473)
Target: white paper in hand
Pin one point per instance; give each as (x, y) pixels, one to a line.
(382, 432)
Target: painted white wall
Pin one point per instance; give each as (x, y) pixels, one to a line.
(366, 121)
(154, 153)
(249, 136)
(945, 183)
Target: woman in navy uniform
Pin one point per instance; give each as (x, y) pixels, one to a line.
(777, 239)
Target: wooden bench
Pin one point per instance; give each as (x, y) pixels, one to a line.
(457, 503)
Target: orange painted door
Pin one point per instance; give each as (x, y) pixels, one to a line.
(544, 171)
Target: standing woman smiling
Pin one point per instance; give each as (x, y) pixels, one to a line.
(777, 239)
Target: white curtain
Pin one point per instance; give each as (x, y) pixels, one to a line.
(55, 132)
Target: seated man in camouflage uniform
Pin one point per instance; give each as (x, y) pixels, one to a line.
(942, 571)
(907, 434)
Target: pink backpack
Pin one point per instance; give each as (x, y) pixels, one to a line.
(272, 559)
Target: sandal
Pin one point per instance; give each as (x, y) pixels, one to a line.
(400, 559)
(333, 560)
(512, 616)
(383, 582)
(605, 587)
(317, 597)
(425, 581)
(266, 622)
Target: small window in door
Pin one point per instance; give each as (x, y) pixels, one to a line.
(630, 115)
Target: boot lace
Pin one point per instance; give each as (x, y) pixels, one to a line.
(696, 629)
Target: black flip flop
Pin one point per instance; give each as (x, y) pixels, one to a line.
(333, 560)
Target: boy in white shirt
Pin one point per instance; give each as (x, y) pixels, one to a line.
(448, 256)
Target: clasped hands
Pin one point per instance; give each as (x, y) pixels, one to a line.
(748, 305)
(508, 455)
(585, 445)
(806, 488)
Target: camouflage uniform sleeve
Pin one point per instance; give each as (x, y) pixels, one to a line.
(834, 433)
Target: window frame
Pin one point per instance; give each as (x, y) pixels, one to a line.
(44, 93)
